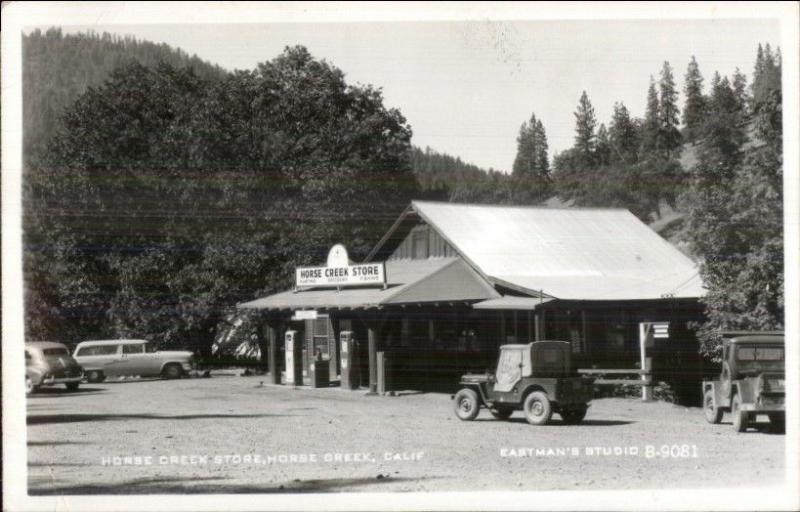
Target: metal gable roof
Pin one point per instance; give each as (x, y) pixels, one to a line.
(567, 253)
(409, 281)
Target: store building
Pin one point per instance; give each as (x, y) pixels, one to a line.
(456, 281)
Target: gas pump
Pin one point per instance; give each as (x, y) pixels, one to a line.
(349, 378)
(294, 359)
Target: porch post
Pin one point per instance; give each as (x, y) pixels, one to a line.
(272, 339)
(373, 359)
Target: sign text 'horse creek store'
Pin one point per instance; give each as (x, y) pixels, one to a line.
(350, 275)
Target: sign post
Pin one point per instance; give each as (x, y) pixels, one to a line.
(648, 332)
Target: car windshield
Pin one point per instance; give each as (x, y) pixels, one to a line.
(55, 352)
(151, 347)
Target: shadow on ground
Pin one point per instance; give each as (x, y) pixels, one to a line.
(48, 392)
(44, 419)
(216, 485)
(54, 443)
(558, 422)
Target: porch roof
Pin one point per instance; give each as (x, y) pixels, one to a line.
(408, 282)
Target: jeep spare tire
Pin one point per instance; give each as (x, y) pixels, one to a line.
(466, 405)
(538, 410)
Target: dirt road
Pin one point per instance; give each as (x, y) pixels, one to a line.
(230, 434)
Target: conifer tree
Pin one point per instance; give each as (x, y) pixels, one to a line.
(669, 136)
(623, 135)
(585, 123)
(695, 104)
(651, 125)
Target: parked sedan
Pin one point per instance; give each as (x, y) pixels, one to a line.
(48, 363)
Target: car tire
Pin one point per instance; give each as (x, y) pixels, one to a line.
(72, 386)
(501, 414)
(573, 416)
(95, 376)
(172, 371)
(466, 405)
(538, 409)
(30, 388)
(712, 412)
(740, 417)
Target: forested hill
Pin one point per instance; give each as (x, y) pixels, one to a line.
(58, 67)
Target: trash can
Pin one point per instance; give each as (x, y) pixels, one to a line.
(319, 372)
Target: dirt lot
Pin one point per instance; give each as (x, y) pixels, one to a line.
(230, 434)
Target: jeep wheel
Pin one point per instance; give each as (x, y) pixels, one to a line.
(573, 416)
(537, 408)
(95, 376)
(72, 386)
(172, 371)
(501, 414)
(712, 412)
(740, 417)
(466, 405)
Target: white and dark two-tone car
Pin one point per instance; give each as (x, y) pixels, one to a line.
(119, 358)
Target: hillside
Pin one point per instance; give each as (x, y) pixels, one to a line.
(57, 68)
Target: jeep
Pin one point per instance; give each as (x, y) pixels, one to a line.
(537, 378)
(751, 381)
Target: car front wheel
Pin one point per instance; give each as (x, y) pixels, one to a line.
(538, 409)
(466, 405)
(29, 387)
(712, 412)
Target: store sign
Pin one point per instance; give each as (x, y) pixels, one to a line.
(339, 272)
(305, 314)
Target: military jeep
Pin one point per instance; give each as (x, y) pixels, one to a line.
(751, 381)
(537, 378)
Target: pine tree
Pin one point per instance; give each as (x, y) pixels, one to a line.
(669, 136)
(651, 125)
(623, 135)
(542, 159)
(739, 85)
(603, 147)
(694, 107)
(585, 123)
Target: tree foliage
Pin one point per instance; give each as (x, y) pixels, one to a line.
(58, 67)
(736, 208)
(165, 198)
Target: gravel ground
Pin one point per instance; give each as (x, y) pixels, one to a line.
(231, 434)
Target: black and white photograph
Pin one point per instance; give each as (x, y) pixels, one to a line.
(436, 256)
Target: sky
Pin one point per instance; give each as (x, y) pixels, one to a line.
(465, 87)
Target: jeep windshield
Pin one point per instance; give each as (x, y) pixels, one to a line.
(759, 358)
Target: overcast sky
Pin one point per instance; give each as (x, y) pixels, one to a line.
(466, 87)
